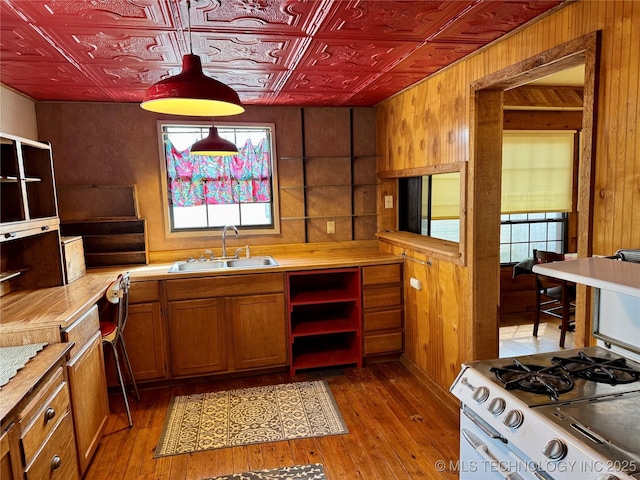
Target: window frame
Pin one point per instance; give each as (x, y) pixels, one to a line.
(251, 230)
(448, 250)
(563, 220)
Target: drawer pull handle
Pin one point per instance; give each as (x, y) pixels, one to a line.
(10, 235)
(56, 462)
(49, 414)
(45, 228)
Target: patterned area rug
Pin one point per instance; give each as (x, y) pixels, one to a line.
(250, 415)
(298, 472)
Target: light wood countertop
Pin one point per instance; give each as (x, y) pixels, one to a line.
(55, 306)
(61, 306)
(22, 384)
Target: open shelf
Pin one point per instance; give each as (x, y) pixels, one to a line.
(326, 351)
(325, 317)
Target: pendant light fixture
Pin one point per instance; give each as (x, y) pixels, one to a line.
(213, 145)
(191, 92)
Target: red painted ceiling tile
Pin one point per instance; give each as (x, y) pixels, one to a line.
(490, 20)
(412, 20)
(53, 92)
(49, 74)
(274, 17)
(246, 51)
(326, 81)
(431, 57)
(110, 13)
(23, 43)
(86, 45)
(347, 54)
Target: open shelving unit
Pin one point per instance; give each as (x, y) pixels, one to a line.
(325, 315)
(30, 253)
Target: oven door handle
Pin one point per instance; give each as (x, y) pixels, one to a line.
(482, 425)
(484, 452)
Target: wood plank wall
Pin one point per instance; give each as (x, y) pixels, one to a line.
(117, 144)
(429, 125)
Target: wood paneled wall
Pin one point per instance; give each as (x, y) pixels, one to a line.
(117, 144)
(429, 125)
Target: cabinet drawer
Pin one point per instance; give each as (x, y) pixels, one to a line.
(47, 418)
(81, 331)
(144, 292)
(382, 297)
(381, 274)
(382, 320)
(228, 285)
(57, 459)
(385, 343)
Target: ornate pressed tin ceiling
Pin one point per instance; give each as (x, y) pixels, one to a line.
(272, 52)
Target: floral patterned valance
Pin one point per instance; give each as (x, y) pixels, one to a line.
(203, 180)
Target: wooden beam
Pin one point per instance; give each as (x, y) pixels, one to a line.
(544, 96)
(542, 120)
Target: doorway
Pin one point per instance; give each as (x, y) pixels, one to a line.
(488, 101)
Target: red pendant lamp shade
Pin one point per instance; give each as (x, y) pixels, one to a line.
(192, 93)
(213, 145)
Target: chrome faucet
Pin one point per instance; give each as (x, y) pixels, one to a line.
(224, 238)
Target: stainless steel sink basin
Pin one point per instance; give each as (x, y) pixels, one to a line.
(252, 262)
(223, 264)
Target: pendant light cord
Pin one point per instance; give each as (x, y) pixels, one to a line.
(189, 25)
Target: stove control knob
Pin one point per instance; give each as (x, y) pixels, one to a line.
(481, 394)
(555, 449)
(513, 419)
(497, 406)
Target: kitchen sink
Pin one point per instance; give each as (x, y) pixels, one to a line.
(223, 264)
(252, 262)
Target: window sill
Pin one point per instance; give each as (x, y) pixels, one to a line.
(438, 248)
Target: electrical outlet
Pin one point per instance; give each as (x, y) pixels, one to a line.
(388, 201)
(331, 227)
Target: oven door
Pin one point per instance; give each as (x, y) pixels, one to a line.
(485, 458)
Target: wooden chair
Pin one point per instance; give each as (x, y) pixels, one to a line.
(113, 332)
(554, 297)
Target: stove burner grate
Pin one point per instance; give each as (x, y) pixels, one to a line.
(602, 370)
(534, 378)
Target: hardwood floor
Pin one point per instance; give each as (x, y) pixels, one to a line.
(516, 335)
(397, 430)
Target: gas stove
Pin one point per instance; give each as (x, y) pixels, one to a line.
(569, 414)
(556, 420)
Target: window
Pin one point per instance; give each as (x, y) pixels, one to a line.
(521, 233)
(537, 192)
(430, 205)
(203, 194)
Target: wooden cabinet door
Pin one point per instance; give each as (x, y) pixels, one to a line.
(197, 337)
(144, 336)
(259, 331)
(90, 405)
(10, 466)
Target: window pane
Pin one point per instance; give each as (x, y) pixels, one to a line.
(519, 251)
(255, 213)
(520, 232)
(505, 253)
(189, 217)
(446, 229)
(505, 233)
(536, 216)
(538, 232)
(555, 231)
(221, 215)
